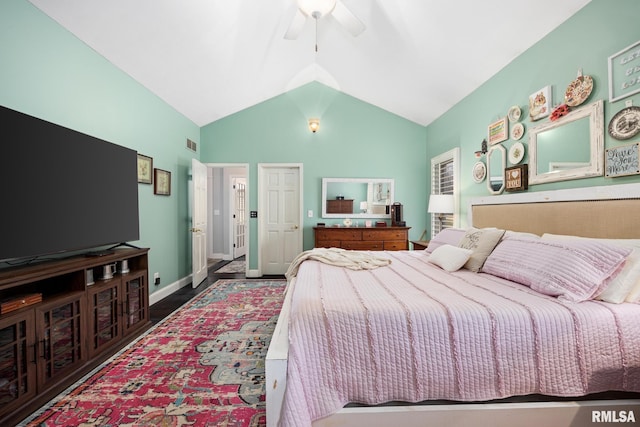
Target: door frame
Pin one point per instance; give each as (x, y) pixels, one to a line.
(246, 208)
(262, 168)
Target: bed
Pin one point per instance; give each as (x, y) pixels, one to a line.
(472, 348)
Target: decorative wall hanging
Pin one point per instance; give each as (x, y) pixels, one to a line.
(540, 103)
(479, 172)
(560, 111)
(161, 182)
(621, 161)
(145, 166)
(516, 153)
(517, 178)
(625, 124)
(514, 114)
(517, 131)
(498, 131)
(624, 72)
(578, 90)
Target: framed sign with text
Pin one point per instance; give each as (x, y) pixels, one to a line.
(624, 72)
(516, 178)
(622, 160)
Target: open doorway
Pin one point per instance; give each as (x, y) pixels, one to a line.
(227, 212)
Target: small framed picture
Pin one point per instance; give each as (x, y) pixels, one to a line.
(161, 182)
(498, 131)
(516, 178)
(540, 104)
(145, 166)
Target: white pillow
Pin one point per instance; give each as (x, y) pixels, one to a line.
(626, 283)
(450, 258)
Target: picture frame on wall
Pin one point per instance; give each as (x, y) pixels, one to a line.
(540, 104)
(516, 178)
(624, 72)
(622, 160)
(145, 166)
(161, 182)
(498, 131)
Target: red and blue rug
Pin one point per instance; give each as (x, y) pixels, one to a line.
(201, 366)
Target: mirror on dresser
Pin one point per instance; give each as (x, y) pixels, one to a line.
(356, 197)
(571, 147)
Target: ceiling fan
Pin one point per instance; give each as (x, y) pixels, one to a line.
(318, 9)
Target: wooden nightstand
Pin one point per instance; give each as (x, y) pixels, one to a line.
(420, 245)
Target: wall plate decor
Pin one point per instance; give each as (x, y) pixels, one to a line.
(578, 90)
(625, 124)
(517, 178)
(498, 131)
(479, 172)
(516, 153)
(517, 131)
(145, 166)
(540, 104)
(514, 114)
(622, 161)
(161, 182)
(624, 72)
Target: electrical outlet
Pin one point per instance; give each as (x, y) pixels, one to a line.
(156, 278)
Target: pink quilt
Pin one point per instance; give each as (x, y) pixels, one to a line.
(411, 332)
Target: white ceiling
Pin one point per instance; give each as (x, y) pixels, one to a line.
(211, 58)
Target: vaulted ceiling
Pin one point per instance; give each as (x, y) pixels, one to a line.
(212, 58)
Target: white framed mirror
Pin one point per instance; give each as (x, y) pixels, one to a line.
(356, 197)
(496, 162)
(571, 147)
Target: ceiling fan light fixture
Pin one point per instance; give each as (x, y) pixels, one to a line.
(316, 8)
(314, 125)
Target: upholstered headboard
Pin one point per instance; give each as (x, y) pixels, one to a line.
(603, 212)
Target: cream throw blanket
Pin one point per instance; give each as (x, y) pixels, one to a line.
(354, 260)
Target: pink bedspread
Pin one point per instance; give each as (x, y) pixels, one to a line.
(413, 332)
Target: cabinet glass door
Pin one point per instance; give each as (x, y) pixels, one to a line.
(17, 370)
(60, 337)
(135, 308)
(105, 323)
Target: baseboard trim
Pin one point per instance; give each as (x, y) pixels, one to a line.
(168, 290)
(253, 273)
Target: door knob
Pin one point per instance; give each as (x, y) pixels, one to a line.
(195, 230)
(295, 227)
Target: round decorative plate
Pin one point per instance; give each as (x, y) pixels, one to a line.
(578, 91)
(625, 124)
(517, 131)
(514, 113)
(516, 153)
(479, 172)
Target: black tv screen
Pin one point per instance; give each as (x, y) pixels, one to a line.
(62, 190)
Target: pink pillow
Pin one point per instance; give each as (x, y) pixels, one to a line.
(448, 236)
(572, 270)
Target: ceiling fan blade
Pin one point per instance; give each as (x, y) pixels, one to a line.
(296, 26)
(347, 19)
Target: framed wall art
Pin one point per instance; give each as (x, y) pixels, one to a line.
(624, 72)
(540, 104)
(498, 131)
(145, 166)
(161, 182)
(622, 160)
(517, 178)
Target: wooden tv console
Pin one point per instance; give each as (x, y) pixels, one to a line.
(45, 346)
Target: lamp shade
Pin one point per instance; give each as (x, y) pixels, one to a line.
(441, 203)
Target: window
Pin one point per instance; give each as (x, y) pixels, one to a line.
(445, 177)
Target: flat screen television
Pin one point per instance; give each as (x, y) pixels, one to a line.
(62, 190)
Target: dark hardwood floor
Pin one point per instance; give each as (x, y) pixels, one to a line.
(169, 304)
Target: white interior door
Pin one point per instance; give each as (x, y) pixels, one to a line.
(198, 222)
(281, 217)
(238, 216)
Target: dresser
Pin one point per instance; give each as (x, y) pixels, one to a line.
(363, 238)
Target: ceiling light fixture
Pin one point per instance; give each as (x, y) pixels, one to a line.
(314, 125)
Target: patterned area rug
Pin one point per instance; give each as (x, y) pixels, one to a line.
(232, 267)
(201, 366)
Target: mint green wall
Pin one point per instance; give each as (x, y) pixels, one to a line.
(48, 73)
(355, 140)
(586, 40)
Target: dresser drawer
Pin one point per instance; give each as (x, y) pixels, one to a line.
(338, 234)
(395, 245)
(328, 243)
(363, 245)
(385, 235)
